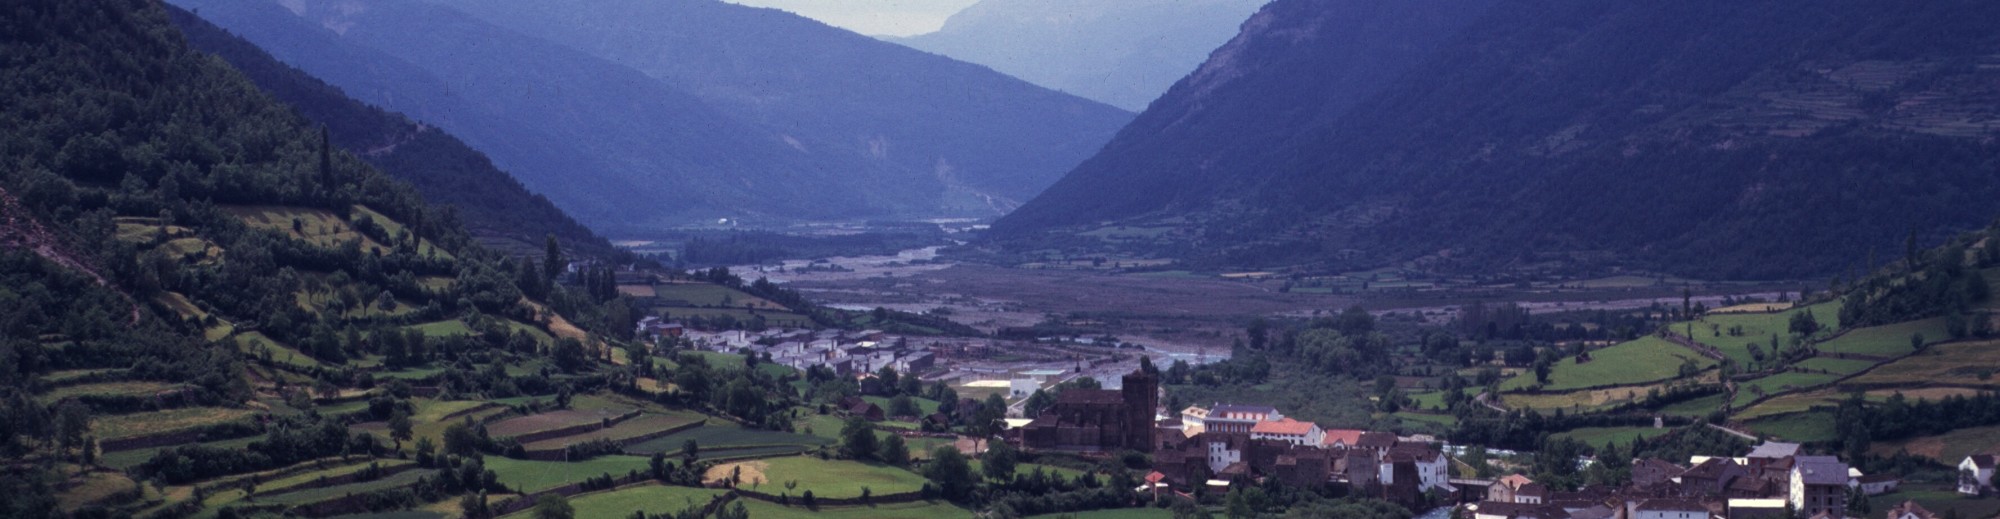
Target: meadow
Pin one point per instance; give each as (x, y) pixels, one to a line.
(1888, 341)
(531, 476)
(916, 510)
(141, 424)
(1648, 359)
(825, 478)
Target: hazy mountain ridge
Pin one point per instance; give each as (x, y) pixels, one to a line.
(1122, 52)
(622, 148)
(1692, 138)
(491, 203)
(978, 142)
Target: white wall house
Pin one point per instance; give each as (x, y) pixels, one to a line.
(1976, 474)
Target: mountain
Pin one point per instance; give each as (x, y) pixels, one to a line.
(1121, 52)
(1740, 140)
(982, 141)
(493, 205)
(806, 136)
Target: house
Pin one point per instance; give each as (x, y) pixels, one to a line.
(1235, 418)
(1433, 469)
(868, 411)
(1669, 508)
(1819, 484)
(1099, 420)
(1531, 494)
(1711, 477)
(1288, 430)
(1380, 442)
(1502, 491)
(1975, 474)
(1654, 472)
(1341, 438)
(1910, 510)
(1767, 460)
(1874, 484)
(1758, 509)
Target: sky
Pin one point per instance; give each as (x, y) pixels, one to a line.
(872, 17)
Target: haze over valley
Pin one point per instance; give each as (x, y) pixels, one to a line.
(1101, 259)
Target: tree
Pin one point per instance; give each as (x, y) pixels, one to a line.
(988, 421)
(887, 376)
(552, 506)
(857, 439)
(951, 473)
(903, 405)
(552, 262)
(399, 427)
(894, 451)
(72, 424)
(999, 461)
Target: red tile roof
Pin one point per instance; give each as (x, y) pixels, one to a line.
(1286, 426)
(1343, 436)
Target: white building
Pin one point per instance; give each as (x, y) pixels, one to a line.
(1290, 431)
(1669, 509)
(1976, 474)
(1819, 484)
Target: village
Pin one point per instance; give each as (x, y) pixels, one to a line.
(1207, 450)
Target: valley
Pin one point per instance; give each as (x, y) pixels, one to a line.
(1491, 259)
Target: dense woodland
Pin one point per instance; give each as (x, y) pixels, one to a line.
(1509, 134)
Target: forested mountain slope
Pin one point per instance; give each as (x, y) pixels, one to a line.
(184, 257)
(1737, 140)
(1121, 52)
(491, 204)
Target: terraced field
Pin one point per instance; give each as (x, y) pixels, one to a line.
(1737, 331)
(1576, 401)
(917, 510)
(1747, 392)
(1835, 366)
(633, 428)
(108, 389)
(319, 227)
(1971, 364)
(259, 346)
(1810, 426)
(651, 499)
(1600, 436)
(398, 480)
(282, 485)
(546, 421)
(1947, 448)
(1649, 359)
(116, 427)
(719, 436)
(1888, 341)
(531, 476)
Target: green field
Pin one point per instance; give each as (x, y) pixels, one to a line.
(1888, 341)
(1788, 404)
(1958, 363)
(257, 346)
(1939, 500)
(1648, 359)
(1779, 383)
(279, 485)
(1947, 448)
(1800, 427)
(924, 405)
(637, 426)
(710, 295)
(917, 510)
(106, 389)
(537, 475)
(724, 435)
(443, 328)
(1757, 328)
(1697, 407)
(140, 424)
(825, 478)
(1598, 437)
(319, 227)
(653, 499)
(1835, 366)
(401, 479)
